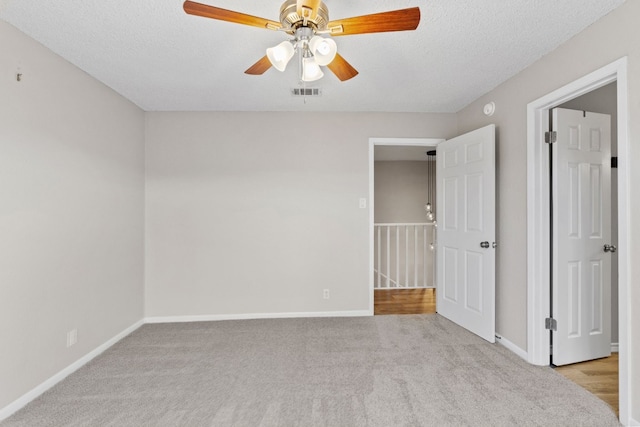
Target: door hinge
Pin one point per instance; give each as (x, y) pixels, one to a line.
(550, 137)
(551, 324)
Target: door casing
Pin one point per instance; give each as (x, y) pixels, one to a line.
(538, 221)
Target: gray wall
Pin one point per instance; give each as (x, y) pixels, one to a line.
(71, 212)
(400, 191)
(607, 40)
(241, 219)
(603, 100)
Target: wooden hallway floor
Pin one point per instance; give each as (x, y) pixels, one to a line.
(599, 376)
(404, 301)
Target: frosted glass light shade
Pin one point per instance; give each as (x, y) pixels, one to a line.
(323, 49)
(311, 70)
(280, 55)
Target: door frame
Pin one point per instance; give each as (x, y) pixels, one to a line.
(415, 142)
(538, 219)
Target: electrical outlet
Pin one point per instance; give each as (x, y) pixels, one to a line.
(363, 203)
(72, 337)
(325, 294)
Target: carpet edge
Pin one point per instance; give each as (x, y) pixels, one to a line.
(35, 392)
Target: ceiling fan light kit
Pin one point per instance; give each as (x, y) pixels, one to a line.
(314, 51)
(304, 20)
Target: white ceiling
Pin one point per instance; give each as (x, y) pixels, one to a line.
(162, 59)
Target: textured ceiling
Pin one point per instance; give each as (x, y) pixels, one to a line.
(162, 59)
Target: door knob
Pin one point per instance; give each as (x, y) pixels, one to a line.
(484, 245)
(610, 248)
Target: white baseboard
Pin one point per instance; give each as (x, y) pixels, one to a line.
(247, 316)
(633, 422)
(615, 347)
(22, 401)
(511, 346)
(18, 404)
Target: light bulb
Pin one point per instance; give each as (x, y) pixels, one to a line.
(323, 47)
(278, 55)
(310, 70)
(324, 50)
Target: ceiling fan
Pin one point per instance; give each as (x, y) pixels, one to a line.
(307, 21)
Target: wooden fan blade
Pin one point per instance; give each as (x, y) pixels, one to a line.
(342, 69)
(395, 20)
(259, 67)
(206, 11)
(308, 9)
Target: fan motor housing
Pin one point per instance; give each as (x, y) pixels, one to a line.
(290, 19)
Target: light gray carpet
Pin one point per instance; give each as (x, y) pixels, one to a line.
(415, 370)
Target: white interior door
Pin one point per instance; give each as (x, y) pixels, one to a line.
(581, 180)
(465, 174)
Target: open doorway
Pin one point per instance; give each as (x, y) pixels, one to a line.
(584, 235)
(404, 230)
(402, 219)
(465, 243)
(604, 101)
(540, 265)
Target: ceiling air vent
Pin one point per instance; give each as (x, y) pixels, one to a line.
(306, 91)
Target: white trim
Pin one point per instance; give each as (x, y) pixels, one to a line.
(615, 347)
(538, 268)
(406, 142)
(19, 403)
(248, 316)
(420, 142)
(633, 422)
(404, 224)
(511, 346)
